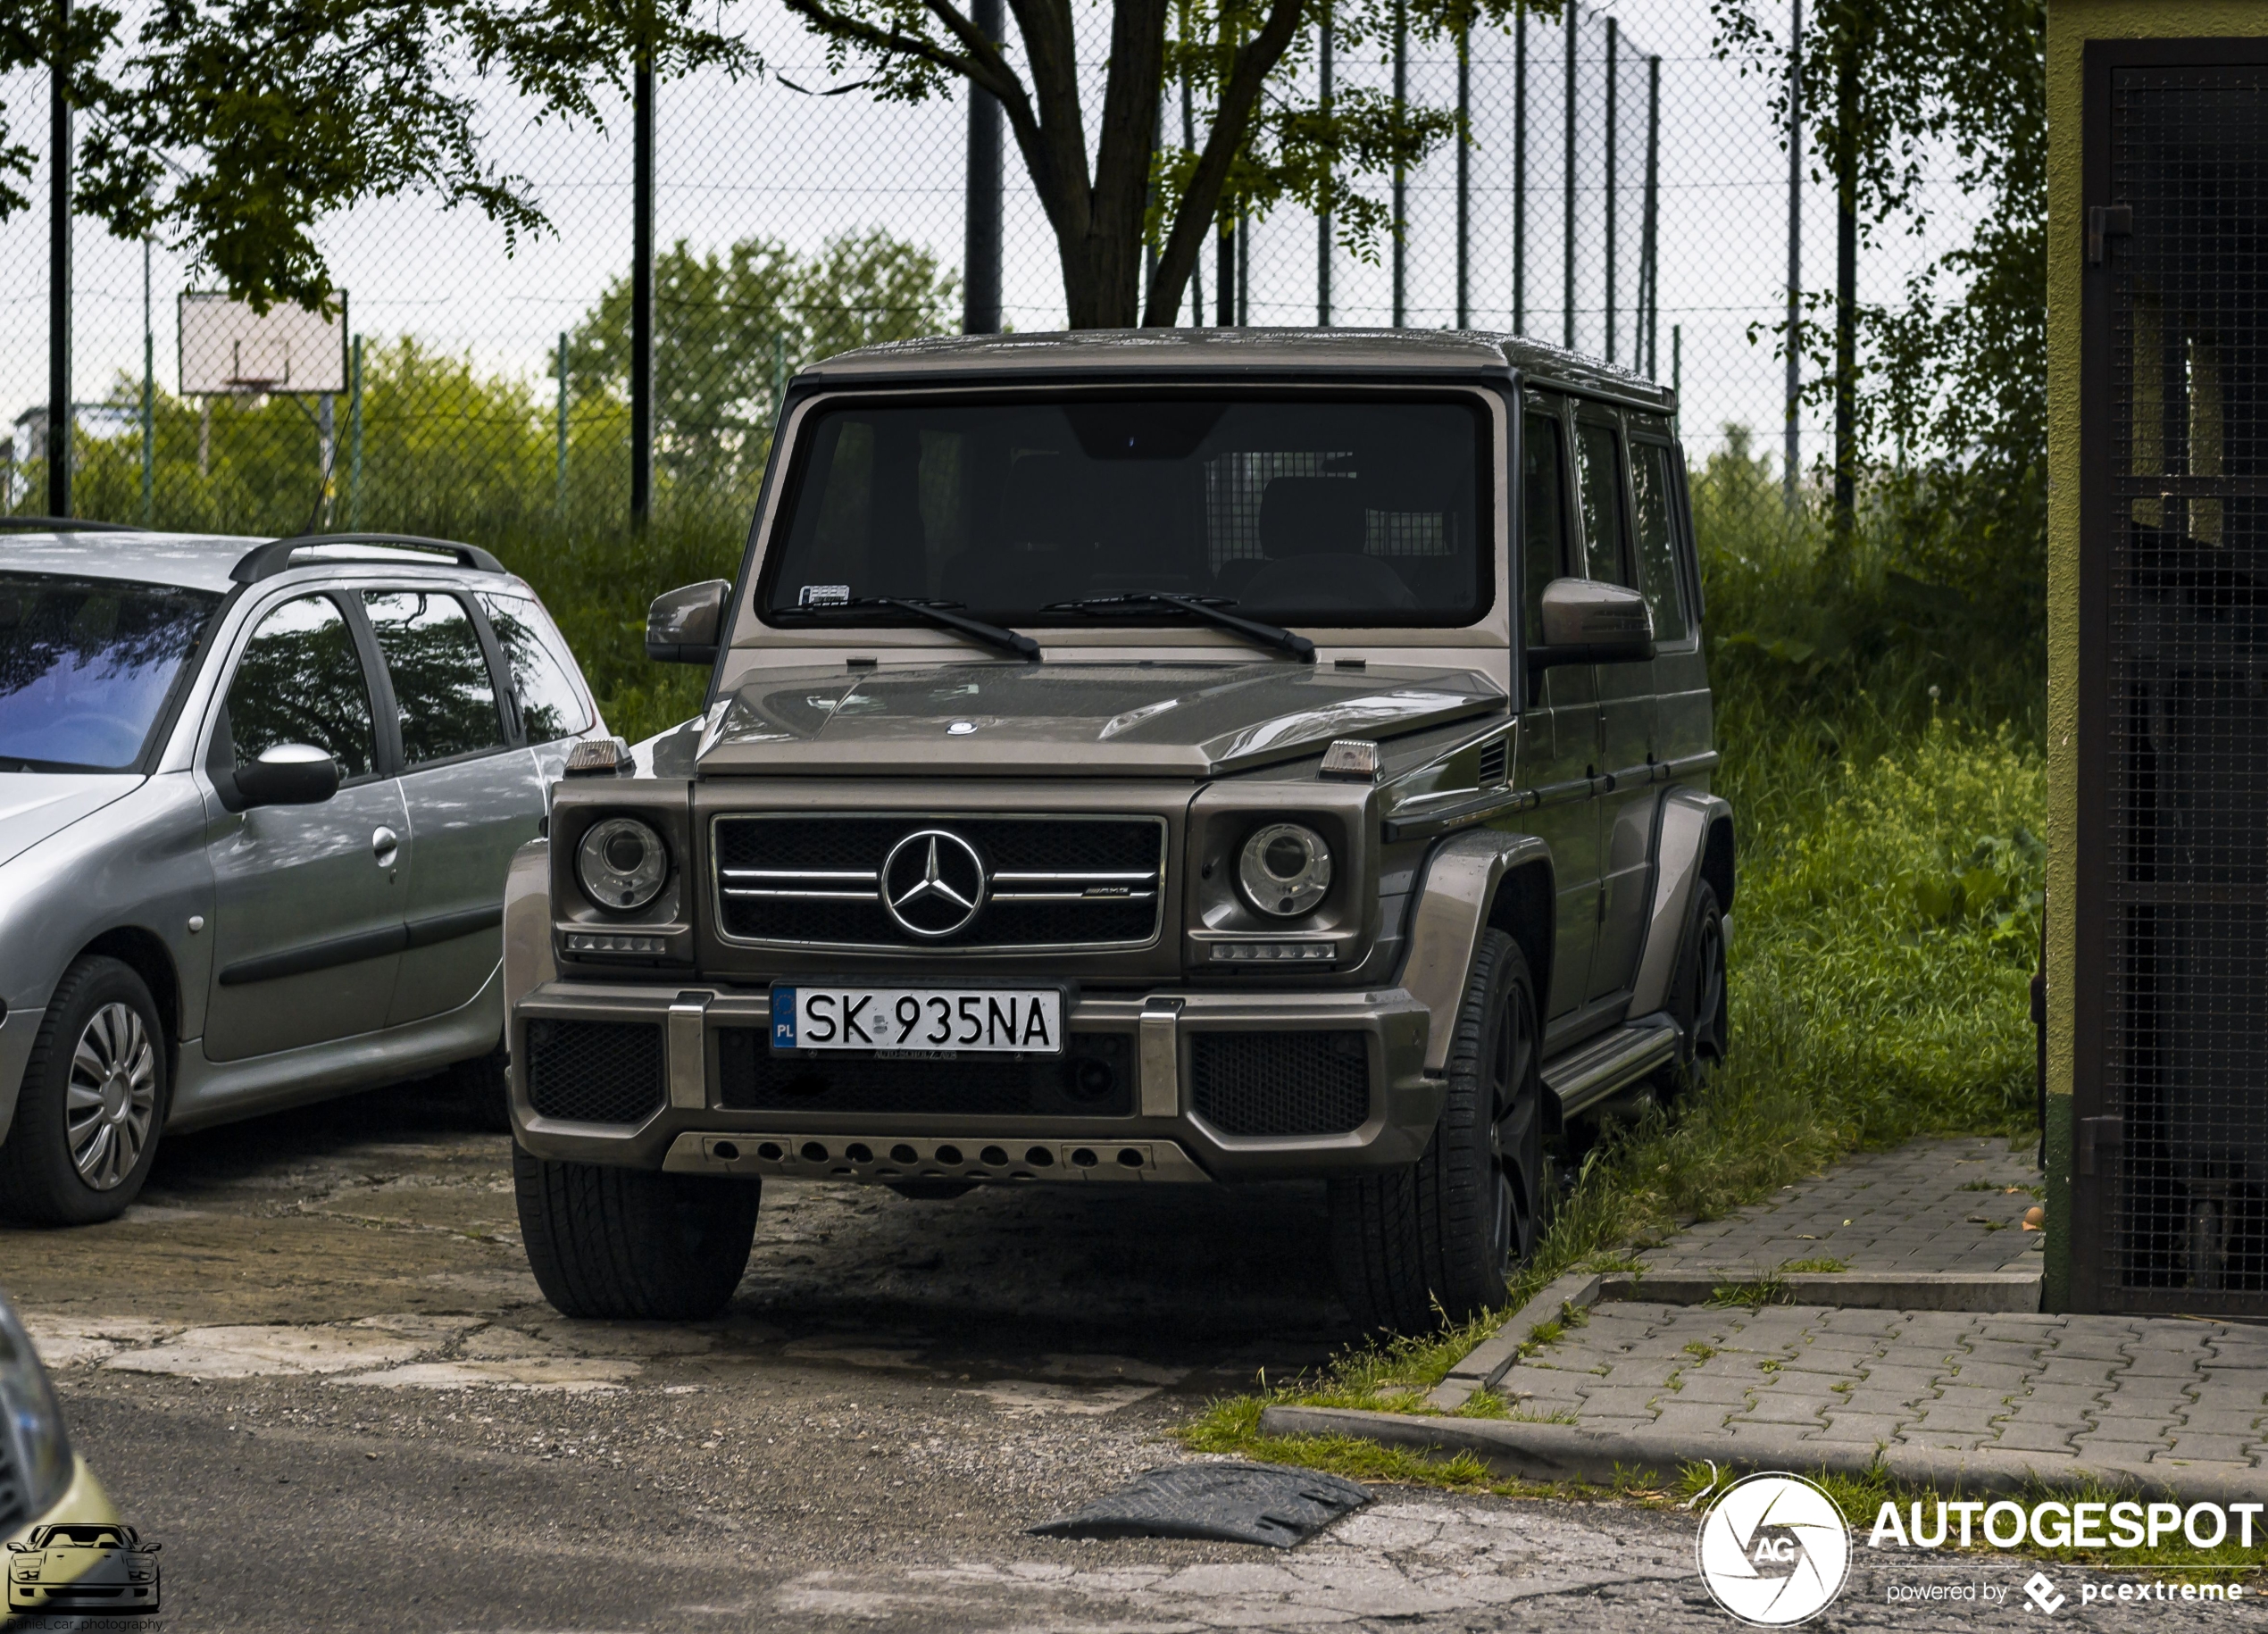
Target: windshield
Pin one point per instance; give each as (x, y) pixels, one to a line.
(85, 665)
(1293, 510)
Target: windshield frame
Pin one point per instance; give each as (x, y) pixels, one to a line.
(768, 545)
(168, 714)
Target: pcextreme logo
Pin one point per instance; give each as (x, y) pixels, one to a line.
(1774, 1549)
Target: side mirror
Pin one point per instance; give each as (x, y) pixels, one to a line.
(684, 625)
(289, 774)
(19, 1547)
(1586, 622)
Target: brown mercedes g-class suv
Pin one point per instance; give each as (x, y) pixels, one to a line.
(1164, 758)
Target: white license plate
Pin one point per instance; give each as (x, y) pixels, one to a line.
(980, 1021)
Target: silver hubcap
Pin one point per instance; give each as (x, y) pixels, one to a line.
(113, 1097)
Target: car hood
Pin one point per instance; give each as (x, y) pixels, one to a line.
(1157, 719)
(36, 805)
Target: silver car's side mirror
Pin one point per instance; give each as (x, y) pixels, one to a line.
(1588, 622)
(289, 774)
(684, 625)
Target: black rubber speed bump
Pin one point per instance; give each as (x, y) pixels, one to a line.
(1230, 1503)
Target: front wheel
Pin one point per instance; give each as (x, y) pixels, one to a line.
(93, 1101)
(1438, 1239)
(1700, 1000)
(624, 1244)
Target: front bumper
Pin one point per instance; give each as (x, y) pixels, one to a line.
(1162, 1136)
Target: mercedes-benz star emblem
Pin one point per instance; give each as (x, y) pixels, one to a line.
(933, 882)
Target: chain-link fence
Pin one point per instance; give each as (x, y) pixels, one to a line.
(1625, 190)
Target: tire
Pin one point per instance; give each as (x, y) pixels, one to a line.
(623, 1244)
(1436, 1241)
(484, 1086)
(94, 1100)
(1700, 1000)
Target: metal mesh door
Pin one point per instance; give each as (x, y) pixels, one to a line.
(2176, 1137)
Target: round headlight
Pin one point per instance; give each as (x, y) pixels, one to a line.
(1285, 868)
(621, 863)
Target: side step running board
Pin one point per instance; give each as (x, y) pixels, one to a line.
(1590, 1074)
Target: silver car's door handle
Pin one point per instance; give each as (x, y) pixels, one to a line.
(384, 845)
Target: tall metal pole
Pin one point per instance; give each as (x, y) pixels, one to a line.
(1401, 173)
(1650, 247)
(1244, 271)
(1322, 222)
(149, 398)
(1846, 281)
(1520, 168)
(355, 441)
(59, 153)
(980, 287)
(1224, 273)
(1464, 175)
(642, 294)
(1567, 198)
(1614, 170)
(1792, 453)
(559, 499)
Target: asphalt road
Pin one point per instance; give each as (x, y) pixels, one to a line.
(311, 1362)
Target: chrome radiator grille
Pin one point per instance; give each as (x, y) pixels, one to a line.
(955, 884)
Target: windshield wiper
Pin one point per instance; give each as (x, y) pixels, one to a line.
(1212, 609)
(938, 613)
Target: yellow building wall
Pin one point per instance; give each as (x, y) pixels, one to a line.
(2071, 24)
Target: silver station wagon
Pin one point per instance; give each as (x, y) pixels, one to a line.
(257, 802)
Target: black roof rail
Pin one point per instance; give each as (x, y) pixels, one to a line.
(266, 560)
(63, 524)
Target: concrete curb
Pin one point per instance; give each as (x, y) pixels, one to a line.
(1521, 1451)
(1492, 1358)
(1991, 1292)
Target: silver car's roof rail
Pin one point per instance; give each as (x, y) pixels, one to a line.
(266, 560)
(63, 524)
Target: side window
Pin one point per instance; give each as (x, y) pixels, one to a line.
(440, 676)
(1657, 548)
(1544, 513)
(300, 680)
(1597, 460)
(551, 707)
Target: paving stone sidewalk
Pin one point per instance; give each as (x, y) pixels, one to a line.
(1933, 1205)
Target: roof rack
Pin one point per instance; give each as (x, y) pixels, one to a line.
(63, 524)
(266, 560)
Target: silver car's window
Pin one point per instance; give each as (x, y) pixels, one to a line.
(85, 666)
(1360, 511)
(550, 706)
(1657, 551)
(440, 676)
(300, 680)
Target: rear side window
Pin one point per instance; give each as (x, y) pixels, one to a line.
(1657, 549)
(551, 707)
(301, 680)
(1598, 459)
(1544, 513)
(441, 684)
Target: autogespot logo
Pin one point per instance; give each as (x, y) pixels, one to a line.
(1774, 1549)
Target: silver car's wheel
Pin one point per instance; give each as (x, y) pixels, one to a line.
(113, 1097)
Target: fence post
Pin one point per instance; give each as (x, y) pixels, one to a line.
(779, 382)
(355, 441)
(1650, 250)
(1519, 170)
(59, 156)
(560, 479)
(1614, 170)
(1846, 282)
(1567, 197)
(1401, 172)
(1677, 375)
(149, 398)
(642, 293)
(1322, 222)
(1197, 268)
(1464, 174)
(1791, 452)
(980, 290)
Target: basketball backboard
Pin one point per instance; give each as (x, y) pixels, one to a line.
(226, 346)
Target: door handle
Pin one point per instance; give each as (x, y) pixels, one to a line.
(385, 846)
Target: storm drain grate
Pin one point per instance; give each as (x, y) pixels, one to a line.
(1229, 1503)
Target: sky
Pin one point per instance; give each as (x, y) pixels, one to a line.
(760, 159)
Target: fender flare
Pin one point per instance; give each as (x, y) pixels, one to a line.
(1683, 823)
(1452, 909)
(528, 961)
